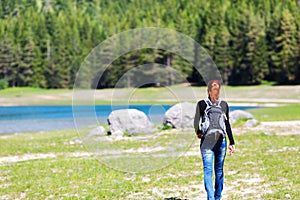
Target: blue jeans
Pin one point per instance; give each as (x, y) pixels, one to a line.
(217, 155)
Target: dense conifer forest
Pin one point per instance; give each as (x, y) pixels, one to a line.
(43, 42)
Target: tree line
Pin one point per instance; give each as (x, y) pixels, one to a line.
(43, 42)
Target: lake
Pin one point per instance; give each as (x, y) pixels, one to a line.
(19, 119)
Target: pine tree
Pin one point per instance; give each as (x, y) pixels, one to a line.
(75, 46)
(272, 30)
(62, 55)
(297, 74)
(38, 78)
(260, 61)
(255, 50)
(17, 59)
(1, 10)
(6, 58)
(286, 47)
(246, 31)
(238, 27)
(26, 66)
(7, 7)
(222, 51)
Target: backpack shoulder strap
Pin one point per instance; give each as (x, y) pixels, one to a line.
(219, 102)
(208, 102)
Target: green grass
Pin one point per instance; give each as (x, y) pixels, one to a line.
(261, 163)
(40, 142)
(35, 96)
(273, 158)
(28, 91)
(279, 113)
(270, 83)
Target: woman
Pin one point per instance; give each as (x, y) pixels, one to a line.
(213, 149)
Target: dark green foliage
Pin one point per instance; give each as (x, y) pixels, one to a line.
(6, 59)
(166, 128)
(3, 84)
(44, 42)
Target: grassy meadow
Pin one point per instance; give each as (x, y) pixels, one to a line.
(263, 167)
(58, 165)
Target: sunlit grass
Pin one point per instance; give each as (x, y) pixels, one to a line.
(27, 91)
(40, 142)
(261, 163)
(279, 113)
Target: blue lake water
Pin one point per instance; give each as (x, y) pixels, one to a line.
(18, 119)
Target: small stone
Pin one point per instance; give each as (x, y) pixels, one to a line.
(288, 196)
(23, 195)
(117, 133)
(235, 115)
(251, 123)
(268, 133)
(98, 131)
(146, 180)
(76, 141)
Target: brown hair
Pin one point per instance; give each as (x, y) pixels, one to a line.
(213, 83)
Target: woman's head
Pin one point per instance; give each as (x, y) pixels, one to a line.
(213, 89)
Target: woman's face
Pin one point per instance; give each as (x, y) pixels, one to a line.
(214, 93)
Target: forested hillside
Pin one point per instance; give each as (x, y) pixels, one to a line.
(43, 42)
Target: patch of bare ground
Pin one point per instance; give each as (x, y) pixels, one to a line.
(251, 186)
(27, 157)
(272, 128)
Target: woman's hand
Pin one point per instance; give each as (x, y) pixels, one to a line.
(199, 135)
(231, 149)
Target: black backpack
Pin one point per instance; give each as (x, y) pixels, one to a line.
(213, 124)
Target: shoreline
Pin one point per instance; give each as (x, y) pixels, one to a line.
(15, 119)
(262, 94)
(236, 102)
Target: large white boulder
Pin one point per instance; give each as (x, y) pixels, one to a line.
(180, 115)
(251, 123)
(235, 115)
(129, 121)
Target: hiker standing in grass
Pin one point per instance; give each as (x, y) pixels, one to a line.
(213, 113)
